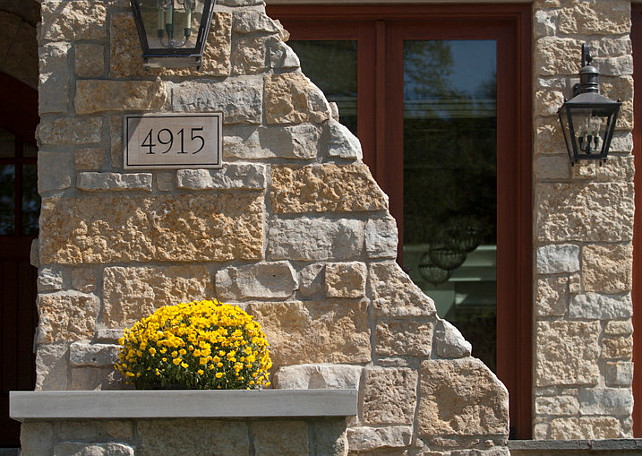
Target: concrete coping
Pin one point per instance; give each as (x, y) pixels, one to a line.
(50, 405)
(526, 446)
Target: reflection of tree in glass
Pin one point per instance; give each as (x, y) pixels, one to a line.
(7, 173)
(427, 70)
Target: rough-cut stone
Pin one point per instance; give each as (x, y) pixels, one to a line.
(50, 279)
(96, 355)
(315, 332)
(618, 328)
(116, 141)
(54, 171)
(66, 316)
(345, 280)
(369, 438)
(94, 96)
(553, 259)
(84, 279)
(239, 98)
(595, 17)
(53, 83)
(86, 449)
(553, 167)
(394, 294)
(256, 143)
(618, 373)
(617, 347)
(70, 131)
(231, 176)
(91, 182)
(461, 397)
(311, 239)
(330, 437)
(325, 188)
(312, 279)
(381, 237)
(545, 22)
(260, 281)
(605, 427)
(555, 56)
(292, 98)
(248, 55)
(89, 60)
(342, 143)
(593, 212)
(108, 335)
(96, 379)
(318, 376)
(607, 268)
(557, 405)
(89, 158)
(51, 367)
(390, 396)
(567, 353)
(133, 293)
(177, 437)
(281, 56)
(600, 307)
(162, 228)
(280, 438)
(552, 296)
(448, 343)
(165, 181)
(606, 401)
(96, 430)
(36, 438)
(255, 21)
(73, 21)
(404, 337)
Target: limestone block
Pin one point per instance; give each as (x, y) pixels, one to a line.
(95, 379)
(553, 259)
(315, 332)
(165, 181)
(258, 143)
(281, 56)
(89, 158)
(595, 17)
(96, 430)
(390, 396)
(546, 102)
(555, 56)
(51, 367)
(618, 328)
(545, 22)
(342, 142)
(553, 167)
(178, 437)
(617, 347)
(239, 98)
(312, 239)
(84, 279)
(606, 401)
(615, 66)
(280, 438)
(345, 280)
(53, 86)
(50, 279)
(552, 296)
(567, 353)
(395, 295)
(96, 355)
(607, 268)
(293, 98)
(65, 131)
(36, 439)
(89, 60)
(72, 21)
(461, 397)
(616, 168)
(448, 343)
(318, 376)
(594, 212)
(86, 449)
(404, 337)
(254, 21)
(369, 438)
(133, 293)
(557, 405)
(126, 58)
(162, 228)
(603, 427)
(330, 437)
(94, 96)
(381, 237)
(312, 279)
(618, 373)
(116, 141)
(547, 138)
(66, 316)
(92, 182)
(600, 307)
(248, 55)
(108, 335)
(54, 170)
(261, 280)
(325, 188)
(231, 176)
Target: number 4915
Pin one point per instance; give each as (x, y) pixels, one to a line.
(165, 138)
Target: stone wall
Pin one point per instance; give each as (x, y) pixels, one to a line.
(293, 228)
(583, 232)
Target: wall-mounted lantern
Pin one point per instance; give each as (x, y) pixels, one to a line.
(588, 119)
(172, 32)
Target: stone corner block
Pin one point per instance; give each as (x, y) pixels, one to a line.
(381, 237)
(448, 342)
(342, 143)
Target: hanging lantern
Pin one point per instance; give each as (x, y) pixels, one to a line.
(431, 272)
(172, 32)
(445, 257)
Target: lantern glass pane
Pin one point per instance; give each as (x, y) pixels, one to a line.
(590, 130)
(171, 24)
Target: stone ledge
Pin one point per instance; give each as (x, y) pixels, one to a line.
(561, 447)
(48, 405)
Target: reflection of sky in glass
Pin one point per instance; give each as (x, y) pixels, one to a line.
(474, 62)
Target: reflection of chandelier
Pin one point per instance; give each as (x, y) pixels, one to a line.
(431, 272)
(445, 257)
(464, 234)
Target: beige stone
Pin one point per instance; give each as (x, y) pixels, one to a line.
(593, 212)
(548, 137)
(552, 296)
(461, 397)
(84, 279)
(390, 396)
(595, 17)
(273, 280)
(163, 228)
(555, 56)
(133, 293)
(404, 337)
(557, 405)
(607, 268)
(66, 316)
(280, 438)
(567, 353)
(385, 441)
(618, 328)
(116, 141)
(617, 347)
(292, 98)
(70, 131)
(52, 363)
(248, 55)
(94, 379)
(604, 427)
(89, 60)
(394, 294)
(177, 437)
(89, 158)
(315, 332)
(345, 280)
(71, 21)
(325, 188)
(93, 96)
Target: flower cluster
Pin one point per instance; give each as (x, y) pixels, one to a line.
(197, 345)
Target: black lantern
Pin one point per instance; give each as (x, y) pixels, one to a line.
(588, 119)
(172, 32)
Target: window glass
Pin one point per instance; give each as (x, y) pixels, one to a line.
(7, 199)
(30, 200)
